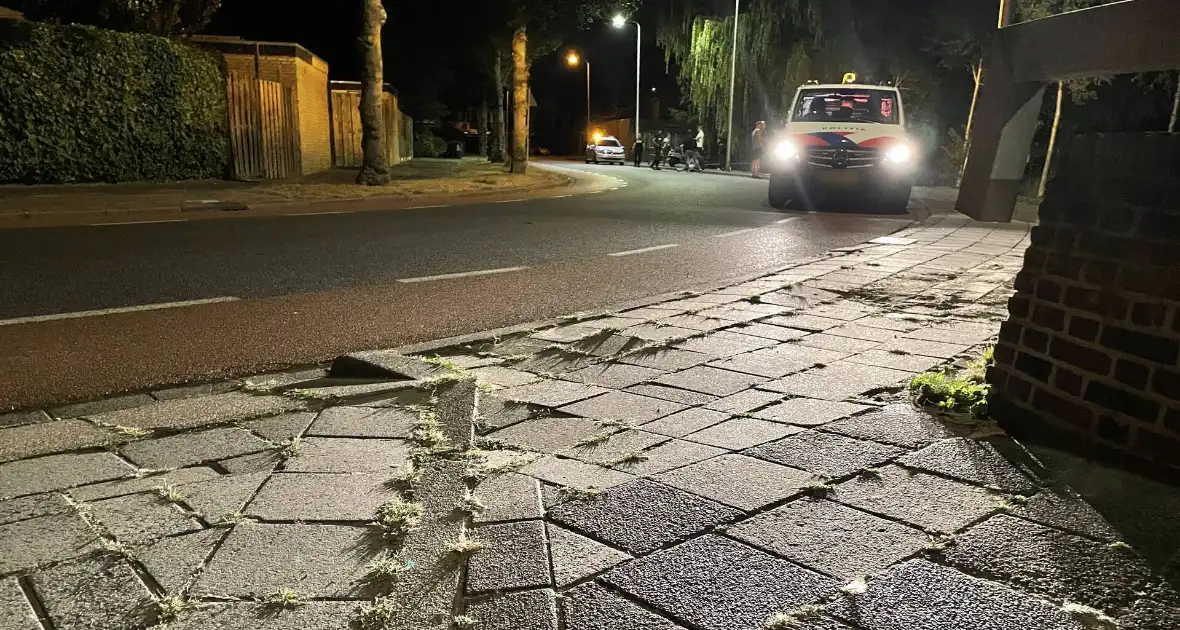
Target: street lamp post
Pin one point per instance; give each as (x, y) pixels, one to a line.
(572, 61)
(737, 6)
(620, 22)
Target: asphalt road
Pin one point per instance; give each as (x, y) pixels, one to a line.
(299, 289)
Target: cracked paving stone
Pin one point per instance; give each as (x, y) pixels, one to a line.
(831, 538)
(930, 502)
(741, 433)
(279, 380)
(33, 440)
(672, 454)
(110, 489)
(974, 461)
(576, 557)
(318, 561)
(765, 363)
(90, 408)
(27, 544)
(661, 334)
(187, 449)
(809, 323)
(838, 381)
(349, 455)
(694, 322)
(899, 424)
(920, 347)
(712, 381)
(200, 389)
(549, 434)
(684, 422)
(15, 611)
(497, 413)
(1052, 563)
(282, 427)
(321, 497)
(672, 394)
(642, 516)
(567, 334)
(726, 344)
(364, 422)
(32, 506)
(222, 496)
(715, 583)
(809, 412)
(1065, 510)
(20, 418)
(141, 518)
(327, 615)
(508, 497)
(504, 377)
(527, 610)
(623, 407)
(188, 413)
(920, 595)
(592, 607)
(514, 555)
(96, 593)
(575, 474)
(608, 345)
(826, 454)
(906, 362)
(839, 344)
(616, 449)
(744, 402)
(384, 364)
(258, 462)
(736, 480)
(768, 331)
(173, 562)
(554, 361)
(551, 393)
(666, 359)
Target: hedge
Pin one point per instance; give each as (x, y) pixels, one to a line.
(82, 104)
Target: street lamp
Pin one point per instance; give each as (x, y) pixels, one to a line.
(572, 61)
(619, 22)
(737, 7)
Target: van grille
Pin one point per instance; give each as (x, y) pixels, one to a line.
(832, 157)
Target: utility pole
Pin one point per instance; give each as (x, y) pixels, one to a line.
(737, 6)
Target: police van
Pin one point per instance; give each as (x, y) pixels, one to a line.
(845, 140)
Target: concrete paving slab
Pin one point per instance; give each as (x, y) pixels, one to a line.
(258, 462)
(974, 461)
(592, 607)
(920, 595)
(567, 334)
(364, 422)
(138, 519)
(32, 506)
(712, 381)
(914, 363)
(92, 407)
(575, 474)
(762, 363)
(504, 377)
(576, 557)
(36, 541)
(1067, 511)
(715, 583)
(514, 555)
(96, 593)
(221, 496)
(838, 381)
(741, 433)
(33, 440)
(662, 334)
(809, 412)
(666, 359)
(742, 482)
(769, 331)
(314, 497)
(836, 343)
(325, 615)
(899, 424)
(866, 333)
(384, 364)
(350, 455)
(550, 434)
(192, 391)
(187, 449)
(618, 449)
(936, 349)
(623, 407)
(551, 393)
(673, 394)
(106, 490)
(642, 516)
(722, 344)
(173, 562)
(18, 418)
(190, 413)
(745, 402)
(282, 427)
(15, 611)
(670, 455)
(826, 454)
(508, 497)
(807, 323)
(684, 422)
(527, 610)
(494, 412)
(933, 503)
(831, 538)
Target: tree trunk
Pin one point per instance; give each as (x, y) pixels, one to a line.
(374, 165)
(977, 74)
(520, 102)
(1052, 143)
(481, 121)
(1175, 106)
(496, 150)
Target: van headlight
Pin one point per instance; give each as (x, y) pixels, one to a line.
(786, 151)
(899, 155)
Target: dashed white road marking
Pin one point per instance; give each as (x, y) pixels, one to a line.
(734, 233)
(561, 196)
(509, 200)
(425, 207)
(137, 222)
(110, 311)
(644, 250)
(462, 274)
(786, 220)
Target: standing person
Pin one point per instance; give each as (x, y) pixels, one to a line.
(689, 147)
(656, 150)
(638, 151)
(700, 152)
(759, 137)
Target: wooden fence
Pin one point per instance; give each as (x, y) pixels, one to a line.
(346, 130)
(264, 129)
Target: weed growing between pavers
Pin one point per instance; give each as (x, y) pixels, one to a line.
(962, 391)
(378, 615)
(386, 567)
(170, 493)
(471, 504)
(571, 493)
(1091, 618)
(630, 459)
(939, 546)
(397, 517)
(592, 441)
(293, 447)
(285, 598)
(856, 586)
(465, 545)
(229, 520)
(794, 620)
(134, 432)
(465, 621)
(818, 487)
(171, 607)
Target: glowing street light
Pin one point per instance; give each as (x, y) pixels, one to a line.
(572, 60)
(620, 21)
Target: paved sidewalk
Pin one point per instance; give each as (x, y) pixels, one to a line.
(736, 460)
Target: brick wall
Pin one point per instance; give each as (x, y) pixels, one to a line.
(1089, 355)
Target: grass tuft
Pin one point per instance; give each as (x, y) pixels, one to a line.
(397, 517)
(1091, 618)
(940, 544)
(630, 459)
(961, 392)
(465, 621)
(465, 545)
(169, 493)
(818, 487)
(387, 567)
(378, 615)
(171, 607)
(443, 363)
(571, 493)
(794, 620)
(285, 598)
(593, 441)
(233, 518)
(472, 504)
(293, 447)
(134, 432)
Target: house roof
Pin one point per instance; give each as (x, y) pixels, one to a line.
(11, 14)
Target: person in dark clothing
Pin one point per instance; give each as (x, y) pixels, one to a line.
(657, 151)
(638, 150)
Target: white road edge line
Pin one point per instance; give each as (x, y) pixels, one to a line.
(644, 250)
(425, 207)
(111, 311)
(734, 233)
(786, 220)
(136, 222)
(462, 274)
(509, 200)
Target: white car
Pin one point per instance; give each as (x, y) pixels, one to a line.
(844, 140)
(606, 149)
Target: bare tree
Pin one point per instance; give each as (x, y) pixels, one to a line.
(374, 165)
(496, 151)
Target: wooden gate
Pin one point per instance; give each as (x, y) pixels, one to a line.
(264, 129)
(346, 128)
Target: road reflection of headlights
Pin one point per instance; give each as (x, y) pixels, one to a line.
(786, 151)
(899, 155)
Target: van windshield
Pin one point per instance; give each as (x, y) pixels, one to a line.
(846, 105)
(609, 143)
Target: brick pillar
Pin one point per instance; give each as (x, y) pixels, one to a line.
(1088, 358)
